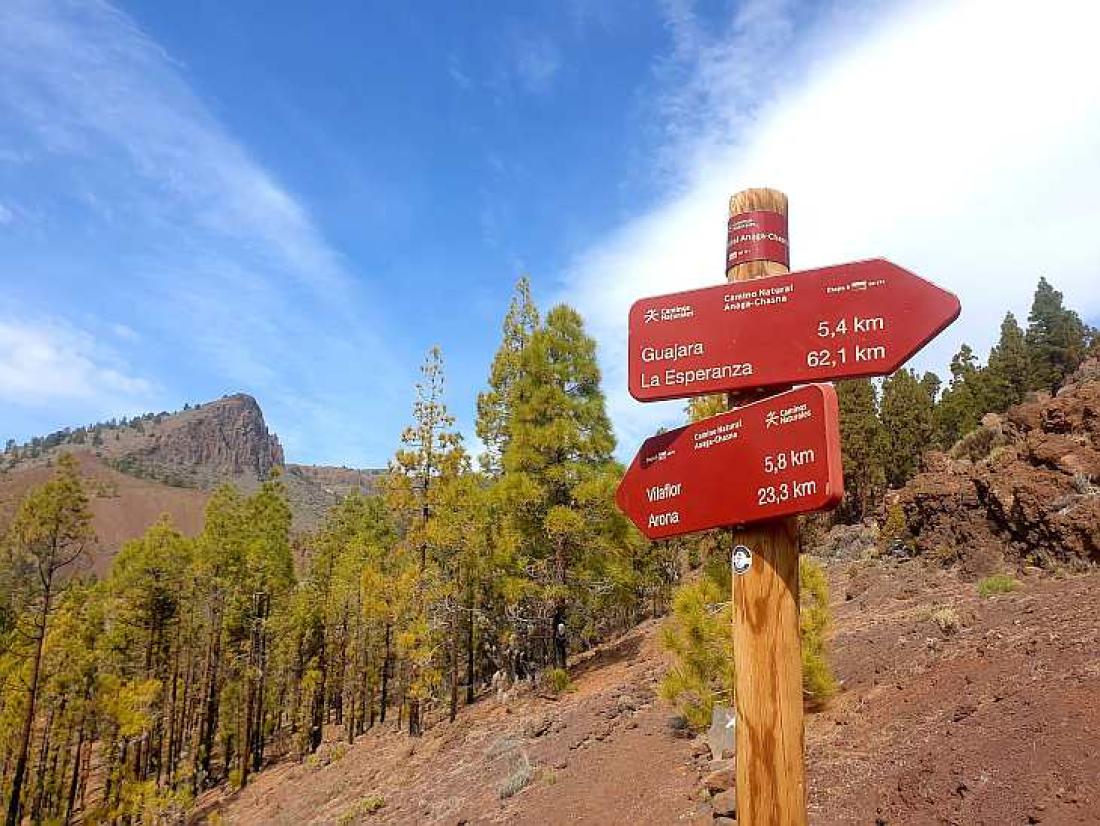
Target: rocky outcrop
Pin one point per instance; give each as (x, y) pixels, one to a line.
(858, 541)
(1023, 489)
(222, 440)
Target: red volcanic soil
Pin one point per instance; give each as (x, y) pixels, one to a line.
(123, 506)
(989, 716)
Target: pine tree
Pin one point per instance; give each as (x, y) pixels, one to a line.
(699, 635)
(931, 384)
(148, 586)
(50, 533)
(494, 406)
(430, 460)
(560, 439)
(1057, 339)
(458, 533)
(864, 443)
(221, 554)
(1008, 368)
(908, 420)
(269, 577)
(962, 404)
(347, 578)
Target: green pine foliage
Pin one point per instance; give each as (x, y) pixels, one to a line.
(495, 405)
(962, 405)
(557, 481)
(1057, 340)
(1009, 369)
(907, 419)
(863, 442)
(196, 661)
(699, 635)
(703, 407)
(818, 681)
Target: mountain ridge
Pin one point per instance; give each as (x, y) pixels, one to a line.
(169, 463)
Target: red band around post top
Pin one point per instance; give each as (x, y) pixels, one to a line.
(760, 235)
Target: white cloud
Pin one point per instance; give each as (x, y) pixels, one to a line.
(215, 261)
(125, 332)
(538, 62)
(959, 140)
(6, 215)
(45, 362)
(462, 80)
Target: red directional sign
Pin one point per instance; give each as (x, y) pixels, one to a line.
(772, 458)
(861, 319)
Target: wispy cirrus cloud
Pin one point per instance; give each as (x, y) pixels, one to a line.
(913, 131)
(204, 252)
(538, 61)
(83, 78)
(461, 79)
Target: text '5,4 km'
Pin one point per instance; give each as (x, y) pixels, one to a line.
(861, 319)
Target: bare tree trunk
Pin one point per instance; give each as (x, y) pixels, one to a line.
(55, 797)
(74, 783)
(40, 777)
(258, 734)
(209, 722)
(28, 718)
(385, 675)
(470, 644)
(246, 734)
(317, 718)
(453, 710)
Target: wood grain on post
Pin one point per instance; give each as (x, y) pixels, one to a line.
(771, 774)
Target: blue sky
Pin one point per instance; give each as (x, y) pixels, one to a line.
(297, 200)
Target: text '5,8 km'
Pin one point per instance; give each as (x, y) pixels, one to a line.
(769, 459)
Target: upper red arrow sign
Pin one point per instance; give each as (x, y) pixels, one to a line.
(861, 319)
(772, 458)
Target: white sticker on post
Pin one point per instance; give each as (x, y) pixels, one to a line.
(741, 560)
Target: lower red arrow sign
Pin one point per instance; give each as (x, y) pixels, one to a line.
(773, 458)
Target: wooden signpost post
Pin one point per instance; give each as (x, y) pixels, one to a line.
(767, 459)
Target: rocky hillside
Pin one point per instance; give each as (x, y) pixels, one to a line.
(953, 709)
(1022, 489)
(197, 447)
(168, 463)
(223, 440)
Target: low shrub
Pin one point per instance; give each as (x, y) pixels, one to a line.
(946, 619)
(517, 780)
(557, 680)
(894, 527)
(997, 584)
(699, 634)
(818, 681)
(978, 444)
(365, 807)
